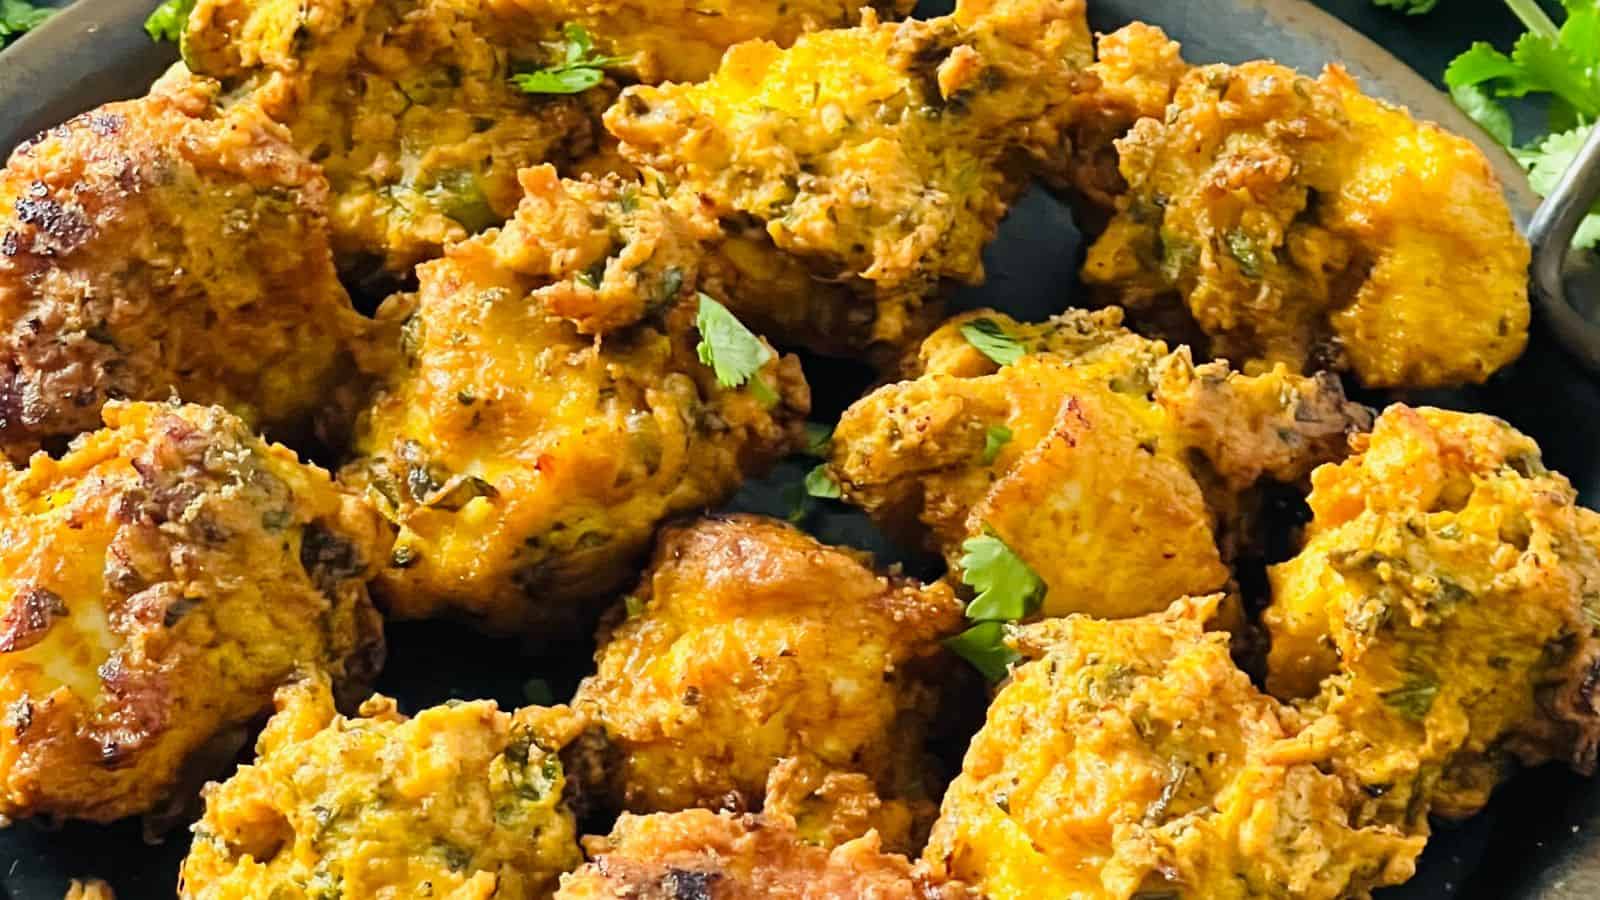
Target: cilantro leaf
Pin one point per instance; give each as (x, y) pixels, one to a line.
(984, 646)
(995, 439)
(18, 16)
(579, 70)
(1008, 589)
(820, 484)
(1547, 161)
(730, 349)
(1490, 115)
(169, 20)
(992, 341)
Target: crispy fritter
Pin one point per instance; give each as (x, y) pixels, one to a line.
(410, 107)
(683, 40)
(527, 464)
(1131, 758)
(165, 577)
(882, 156)
(1106, 462)
(407, 105)
(1136, 72)
(1442, 615)
(154, 246)
(721, 856)
(461, 801)
(748, 642)
(1301, 222)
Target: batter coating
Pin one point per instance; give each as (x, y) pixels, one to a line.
(156, 246)
(526, 463)
(164, 577)
(1301, 222)
(1441, 619)
(460, 801)
(1111, 466)
(748, 642)
(1131, 758)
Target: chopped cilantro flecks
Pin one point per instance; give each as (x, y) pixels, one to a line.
(580, 67)
(1414, 698)
(168, 21)
(983, 645)
(994, 440)
(730, 349)
(1008, 589)
(992, 341)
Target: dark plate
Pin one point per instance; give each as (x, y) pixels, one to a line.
(1540, 838)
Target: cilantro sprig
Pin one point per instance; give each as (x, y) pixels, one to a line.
(19, 16)
(993, 341)
(1560, 63)
(580, 68)
(169, 21)
(995, 438)
(1008, 591)
(732, 351)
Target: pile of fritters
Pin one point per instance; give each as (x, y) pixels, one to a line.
(605, 230)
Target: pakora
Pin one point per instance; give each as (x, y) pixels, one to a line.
(525, 463)
(165, 576)
(747, 642)
(1131, 758)
(1113, 467)
(411, 106)
(1301, 222)
(1441, 618)
(883, 156)
(156, 246)
(461, 801)
(722, 856)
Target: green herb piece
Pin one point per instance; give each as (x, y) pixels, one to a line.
(993, 441)
(537, 692)
(763, 392)
(1547, 161)
(730, 349)
(821, 485)
(984, 646)
(634, 604)
(1242, 247)
(167, 23)
(1409, 7)
(1008, 589)
(18, 16)
(992, 341)
(579, 70)
(819, 440)
(1562, 63)
(1414, 698)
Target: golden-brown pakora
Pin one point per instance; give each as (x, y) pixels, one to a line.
(527, 463)
(156, 246)
(705, 855)
(1111, 466)
(1131, 758)
(164, 577)
(881, 156)
(1301, 222)
(1136, 72)
(410, 106)
(1441, 619)
(460, 801)
(747, 642)
(683, 40)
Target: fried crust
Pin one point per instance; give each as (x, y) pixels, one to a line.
(165, 576)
